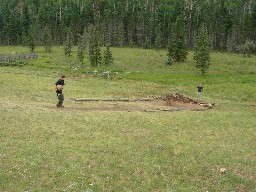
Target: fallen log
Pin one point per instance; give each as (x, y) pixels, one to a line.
(112, 99)
(106, 99)
(87, 99)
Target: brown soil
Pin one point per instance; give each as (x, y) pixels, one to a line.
(169, 102)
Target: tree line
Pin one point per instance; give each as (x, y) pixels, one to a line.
(134, 23)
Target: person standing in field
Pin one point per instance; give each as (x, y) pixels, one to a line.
(59, 85)
(199, 92)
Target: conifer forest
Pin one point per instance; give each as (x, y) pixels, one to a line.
(133, 23)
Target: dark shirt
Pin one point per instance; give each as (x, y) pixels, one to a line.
(59, 82)
(199, 89)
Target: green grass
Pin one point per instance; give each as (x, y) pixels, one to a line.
(46, 149)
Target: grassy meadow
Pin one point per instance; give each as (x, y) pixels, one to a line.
(48, 149)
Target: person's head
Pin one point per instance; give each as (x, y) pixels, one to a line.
(62, 76)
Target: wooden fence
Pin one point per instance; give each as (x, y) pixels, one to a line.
(8, 58)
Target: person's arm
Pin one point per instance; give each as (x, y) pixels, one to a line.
(55, 87)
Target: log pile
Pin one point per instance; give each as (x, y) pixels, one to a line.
(172, 98)
(177, 98)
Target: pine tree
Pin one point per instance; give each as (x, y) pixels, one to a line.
(82, 44)
(159, 38)
(177, 48)
(94, 47)
(80, 50)
(47, 39)
(202, 55)
(170, 60)
(108, 58)
(31, 39)
(69, 43)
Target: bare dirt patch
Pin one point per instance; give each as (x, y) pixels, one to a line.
(169, 102)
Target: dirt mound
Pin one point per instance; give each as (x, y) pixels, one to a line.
(173, 99)
(177, 98)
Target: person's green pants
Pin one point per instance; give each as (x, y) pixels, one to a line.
(61, 99)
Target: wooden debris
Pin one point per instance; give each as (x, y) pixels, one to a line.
(106, 99)
(87, 99)
(223, 170)
(153, 110)
(171, 100)
(144, 99)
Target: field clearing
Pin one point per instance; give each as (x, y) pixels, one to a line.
(48, 149)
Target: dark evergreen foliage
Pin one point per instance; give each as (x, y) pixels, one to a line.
(108, 58)
(68, 43)
(202, 51)
(141, 23)
(177, 49)
(94, 46)
(47, 39)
